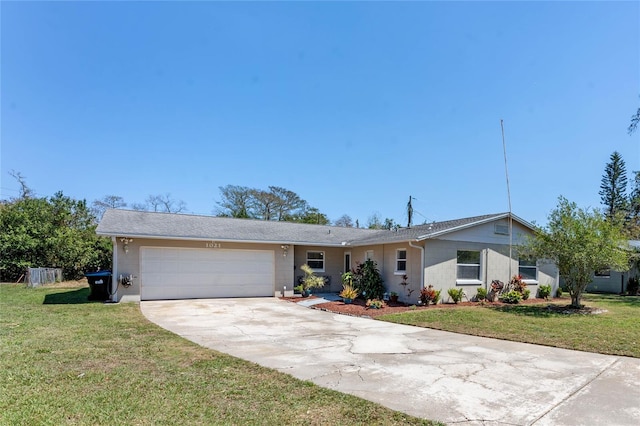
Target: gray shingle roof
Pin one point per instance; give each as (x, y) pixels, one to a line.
(129, 223)
(182, 226)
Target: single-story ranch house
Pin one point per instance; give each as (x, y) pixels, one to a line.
(179, 256)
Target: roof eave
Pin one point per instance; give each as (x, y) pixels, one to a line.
(476, 223)
(227, 240)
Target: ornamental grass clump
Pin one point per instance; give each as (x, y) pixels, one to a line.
(348, 292)
(455, 294)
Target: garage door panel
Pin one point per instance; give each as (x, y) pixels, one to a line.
(170, 273)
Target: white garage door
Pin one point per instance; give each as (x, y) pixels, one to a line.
(178, 273)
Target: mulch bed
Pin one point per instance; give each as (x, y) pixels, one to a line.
(357, 307)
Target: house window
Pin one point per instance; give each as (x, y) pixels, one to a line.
(468, 265)
(501, 229)
(603, 273)
(315, 260)
(368, 255)
(527, 269)
(401, 261)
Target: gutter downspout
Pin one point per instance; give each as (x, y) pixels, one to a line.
(421, 263)
(114, 270)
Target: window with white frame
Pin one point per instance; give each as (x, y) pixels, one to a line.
(468, 265)
(315, 260)
(528, 269)
(603, 273)
(401, 261)
(368, 255)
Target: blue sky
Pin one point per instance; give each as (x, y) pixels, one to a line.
(355, 106)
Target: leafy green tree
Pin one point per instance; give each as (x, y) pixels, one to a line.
(613, 186)
(235, 201)
(50, 232)
(580, 242)
(633, 222)
(374, 221)
(310, 215)
(287, 203)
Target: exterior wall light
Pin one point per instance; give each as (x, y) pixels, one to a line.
(284, 248)
(125, 244)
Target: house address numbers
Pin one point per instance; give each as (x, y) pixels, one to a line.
(213, 245)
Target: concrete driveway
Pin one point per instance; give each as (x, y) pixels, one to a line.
(426, 373)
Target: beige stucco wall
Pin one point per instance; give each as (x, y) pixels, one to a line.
(129, 263)
(333, 261)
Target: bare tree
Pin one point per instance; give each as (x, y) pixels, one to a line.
(162, 203)
(345, 221)
(25, 191)
(140, 207)
(98, 207)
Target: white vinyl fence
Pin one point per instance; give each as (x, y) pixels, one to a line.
(39, 276)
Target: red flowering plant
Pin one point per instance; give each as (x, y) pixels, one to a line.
(429, 295)
(517, 284)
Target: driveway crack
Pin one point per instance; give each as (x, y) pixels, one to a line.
(565, 399)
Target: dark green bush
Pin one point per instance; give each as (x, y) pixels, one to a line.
(511, 297)
(481, 294)
(544, 291)
(368, 281)
(455, 294)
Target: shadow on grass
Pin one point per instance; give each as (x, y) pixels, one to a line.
(72, 297)
(539, 311)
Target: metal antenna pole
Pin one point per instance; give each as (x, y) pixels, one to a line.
(506, 172)
(409, 213)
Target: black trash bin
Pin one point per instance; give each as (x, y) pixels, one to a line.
(100, 284)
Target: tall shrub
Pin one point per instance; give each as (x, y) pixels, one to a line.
(368, 280)
(50, 232)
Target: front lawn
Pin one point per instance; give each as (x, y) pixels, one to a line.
(615, 332)
(66, 361)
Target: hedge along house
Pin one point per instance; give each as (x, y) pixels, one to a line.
(175, 256)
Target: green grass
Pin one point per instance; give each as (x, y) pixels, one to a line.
(615, 332)
(66, 361)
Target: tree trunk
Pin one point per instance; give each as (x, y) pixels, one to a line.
(575, 300)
